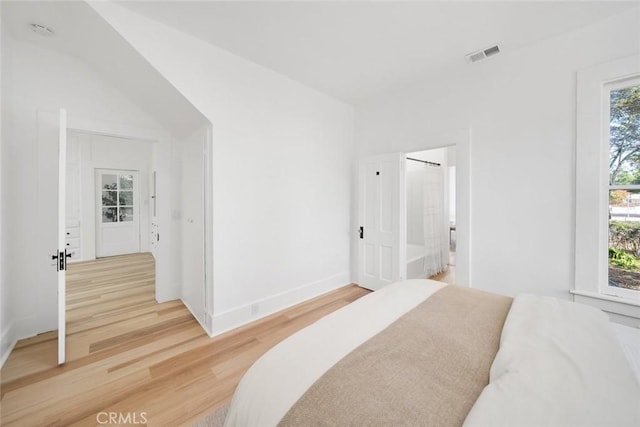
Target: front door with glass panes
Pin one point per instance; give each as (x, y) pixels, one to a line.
(118, 223)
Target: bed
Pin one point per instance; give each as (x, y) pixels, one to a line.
(420, 353)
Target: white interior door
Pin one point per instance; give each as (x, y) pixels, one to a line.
(62, 252)
(50, 226)
(381, 247)
(193, 234)
(117, 212)
(61, 256)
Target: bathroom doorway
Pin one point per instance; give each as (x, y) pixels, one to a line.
(431, 214)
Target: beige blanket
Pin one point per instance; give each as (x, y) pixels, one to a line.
(427, 368)
(282, 375)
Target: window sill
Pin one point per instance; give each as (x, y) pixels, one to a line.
(623, 310)
(612, 298)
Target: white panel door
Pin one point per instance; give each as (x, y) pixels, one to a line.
(117, 212)
(381, 204)
(193, 278)
(51, 259)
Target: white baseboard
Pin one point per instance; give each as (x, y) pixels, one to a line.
(8, 340)
(258, 309)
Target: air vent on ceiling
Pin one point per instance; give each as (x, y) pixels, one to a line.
(41, 29)
(482, 54)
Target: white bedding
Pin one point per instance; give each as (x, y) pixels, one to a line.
(559, 364)
(630, 342)
(603, 386)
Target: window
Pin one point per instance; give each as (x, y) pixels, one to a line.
(607, 233)
(622, 119)
(117, 198)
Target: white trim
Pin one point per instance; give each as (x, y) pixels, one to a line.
(62, 224)
(236, 317)
(605, 297)
(8, 341)
(208, 230)
(621, 83)
(619, 292)
(120, 130)
(620, 310)
(625, 187)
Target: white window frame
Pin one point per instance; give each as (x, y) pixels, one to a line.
(604, 288)
(592, 180)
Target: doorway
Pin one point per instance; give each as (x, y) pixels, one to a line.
(132, 194)
(431, 214)
(91, 144)
(108, 194)
(106, 213)
(380, 236)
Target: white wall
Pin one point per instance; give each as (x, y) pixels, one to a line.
(42, 79)
(7, 335)
(282, 160)
(520, 107)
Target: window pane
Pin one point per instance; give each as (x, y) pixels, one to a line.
(126, 182)
(109, 182)
(624, 136)
(126, 198)
(624, 239)
(126, 214)
(109, 198)
(109, 215)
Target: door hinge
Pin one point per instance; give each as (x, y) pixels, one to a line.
(361, 231)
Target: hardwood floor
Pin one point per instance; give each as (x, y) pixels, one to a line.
(126, 354)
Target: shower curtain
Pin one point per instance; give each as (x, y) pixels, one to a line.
(435, 236)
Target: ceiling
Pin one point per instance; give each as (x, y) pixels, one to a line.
(81, 33)
(349, 50)
(353, 50)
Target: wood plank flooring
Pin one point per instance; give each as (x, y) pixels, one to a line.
(130, 355)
